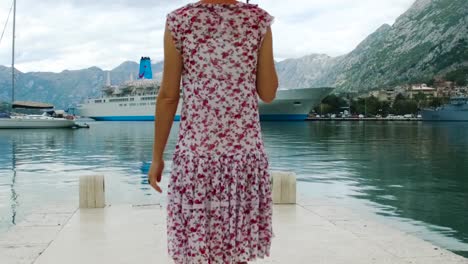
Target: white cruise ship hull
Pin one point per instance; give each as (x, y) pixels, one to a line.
(293, 104)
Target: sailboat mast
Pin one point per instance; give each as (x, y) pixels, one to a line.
(13, 55)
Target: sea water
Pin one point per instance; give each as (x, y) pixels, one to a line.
(413, 175)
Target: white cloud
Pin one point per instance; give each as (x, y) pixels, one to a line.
(53, 35)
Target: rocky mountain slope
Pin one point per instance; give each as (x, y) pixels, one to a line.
(430, 39)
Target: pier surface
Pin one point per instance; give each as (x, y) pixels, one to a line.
(317, 232)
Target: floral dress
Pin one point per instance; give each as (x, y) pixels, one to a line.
(219, 196)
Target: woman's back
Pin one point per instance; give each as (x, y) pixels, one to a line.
(219, 196)
(219, 44)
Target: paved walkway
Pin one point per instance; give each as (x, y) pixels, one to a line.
(315, 232)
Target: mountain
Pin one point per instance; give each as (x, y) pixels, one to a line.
(66, 88)
(429, 40)
(302, 72)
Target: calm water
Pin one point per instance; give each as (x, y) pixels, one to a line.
(410, 175)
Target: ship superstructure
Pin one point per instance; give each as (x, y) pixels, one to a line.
(135, 100)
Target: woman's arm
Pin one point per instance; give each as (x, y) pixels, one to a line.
(267, 79)
(166, 106)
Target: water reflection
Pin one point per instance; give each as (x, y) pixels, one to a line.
(13, 194)
(413, 175)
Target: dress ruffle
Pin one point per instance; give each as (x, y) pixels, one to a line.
(219, 208)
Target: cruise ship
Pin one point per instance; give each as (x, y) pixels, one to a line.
(135, 100)
(455, 110)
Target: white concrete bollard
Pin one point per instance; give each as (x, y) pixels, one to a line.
(92, 192)
(284, 187)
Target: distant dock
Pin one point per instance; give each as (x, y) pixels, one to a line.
(362, 119)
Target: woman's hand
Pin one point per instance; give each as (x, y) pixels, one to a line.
(155, 174)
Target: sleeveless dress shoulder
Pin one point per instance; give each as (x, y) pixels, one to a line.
(219, 196)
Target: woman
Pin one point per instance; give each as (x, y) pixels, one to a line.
(219, 199)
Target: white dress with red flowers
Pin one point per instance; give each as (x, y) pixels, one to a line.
(219, 195)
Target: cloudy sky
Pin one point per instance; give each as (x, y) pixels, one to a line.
(53, 35)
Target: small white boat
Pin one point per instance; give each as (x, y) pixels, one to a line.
(48, 119)
(35, 121)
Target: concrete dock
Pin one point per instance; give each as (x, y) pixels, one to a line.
(313, 231)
